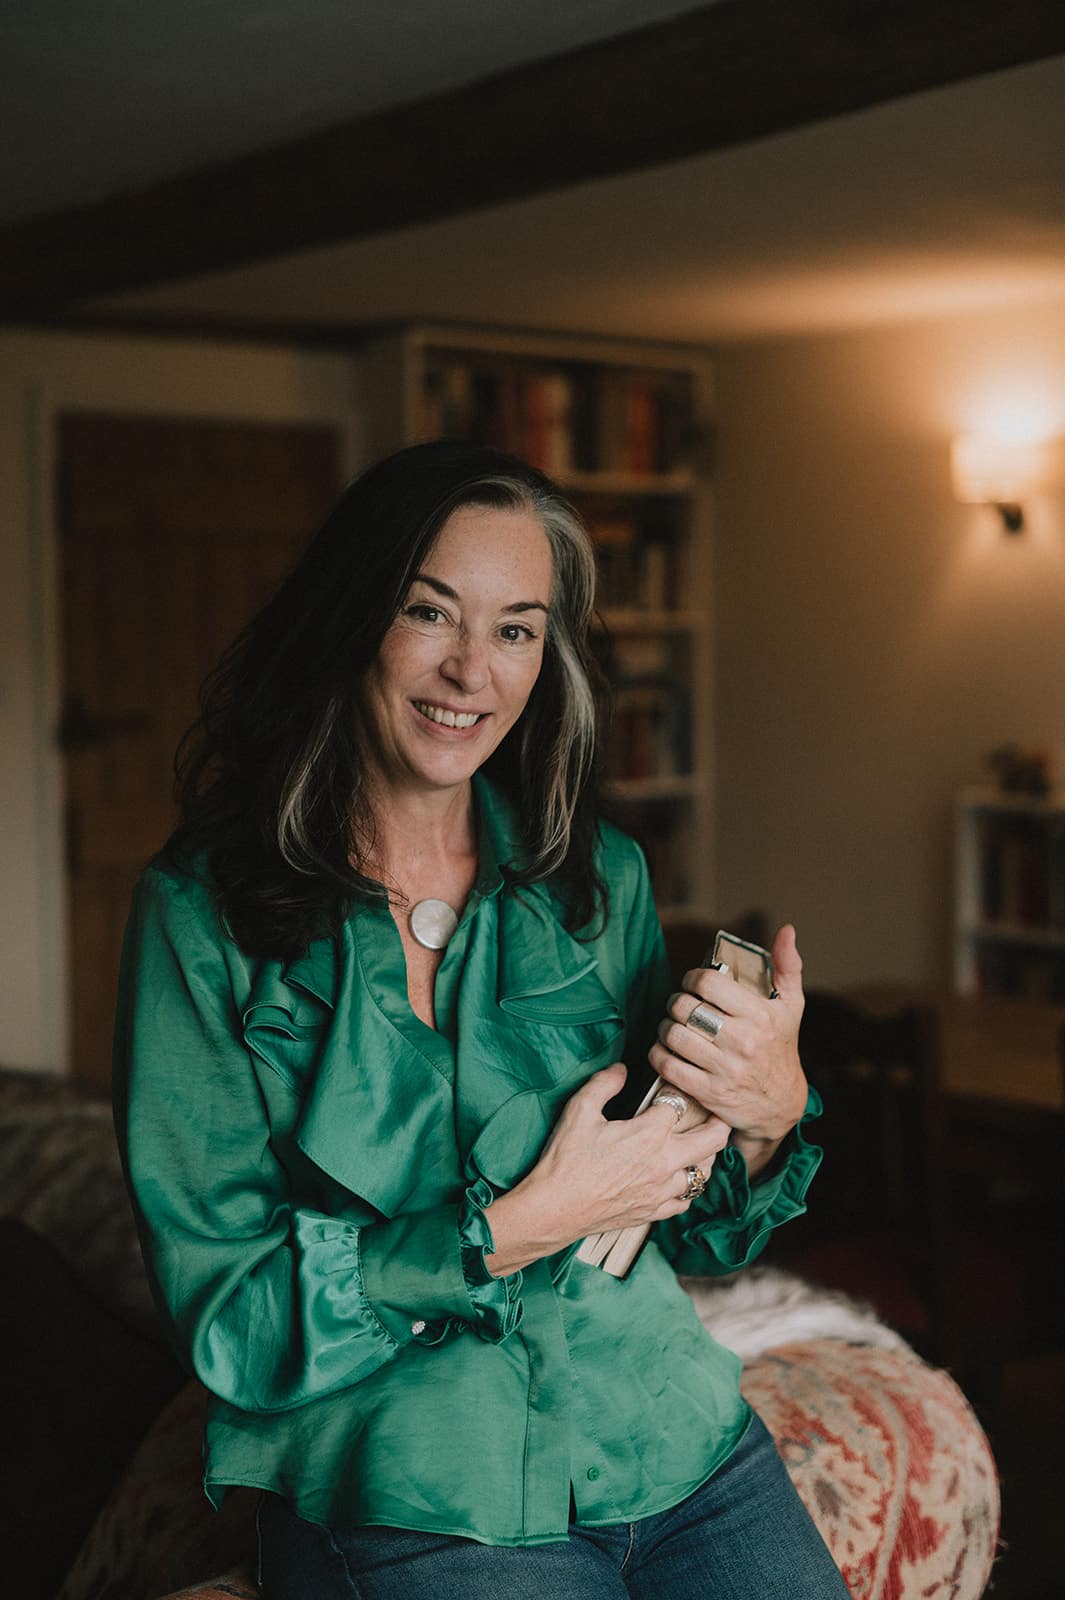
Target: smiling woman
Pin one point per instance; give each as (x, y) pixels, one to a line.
(375, 992)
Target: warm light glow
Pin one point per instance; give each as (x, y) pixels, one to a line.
(992, 470)
(1015, 408)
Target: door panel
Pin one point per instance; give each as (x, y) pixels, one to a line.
(172, 533)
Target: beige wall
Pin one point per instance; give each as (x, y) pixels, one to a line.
(875, 638)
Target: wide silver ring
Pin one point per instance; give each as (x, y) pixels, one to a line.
(706, 1019)
(672, 1097)
(696, 1183)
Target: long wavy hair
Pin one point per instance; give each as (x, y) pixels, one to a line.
(270, 777)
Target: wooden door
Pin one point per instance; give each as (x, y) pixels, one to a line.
(172, 533)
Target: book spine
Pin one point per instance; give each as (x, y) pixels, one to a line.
(558, 424)
(535, 422)
(1056, 873)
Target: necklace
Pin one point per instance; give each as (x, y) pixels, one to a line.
(432, 923)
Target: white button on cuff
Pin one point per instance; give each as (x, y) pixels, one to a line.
(418, 1327)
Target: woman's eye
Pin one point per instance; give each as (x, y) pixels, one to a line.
(424, 612)
(514, 633)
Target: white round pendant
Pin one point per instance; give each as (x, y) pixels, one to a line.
(432, 923)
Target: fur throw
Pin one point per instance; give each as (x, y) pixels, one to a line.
(765, 1307)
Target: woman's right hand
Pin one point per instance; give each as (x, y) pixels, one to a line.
(593, 1175)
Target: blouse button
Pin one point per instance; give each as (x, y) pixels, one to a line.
(593, 1473)
(418, 1327)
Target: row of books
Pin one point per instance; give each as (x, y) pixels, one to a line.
(648, 735)
(1021, 972)
(1022, 870)
(581, 418)
(637, 562)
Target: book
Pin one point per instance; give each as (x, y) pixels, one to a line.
(616, 1249)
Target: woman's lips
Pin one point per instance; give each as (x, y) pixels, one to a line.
(453, 724)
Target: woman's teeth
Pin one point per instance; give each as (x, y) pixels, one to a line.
(450, 719)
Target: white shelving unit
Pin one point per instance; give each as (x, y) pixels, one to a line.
(1009, 922)
(623, 428)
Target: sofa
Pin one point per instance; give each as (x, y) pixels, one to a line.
(101, 1496)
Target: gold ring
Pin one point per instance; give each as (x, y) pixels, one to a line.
(696, 1183)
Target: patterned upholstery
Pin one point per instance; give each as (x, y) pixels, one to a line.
(890, 1462)
(61, 1175)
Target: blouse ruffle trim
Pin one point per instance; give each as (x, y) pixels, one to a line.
(733, 1216)
(497, 1300)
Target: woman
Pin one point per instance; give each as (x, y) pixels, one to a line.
(374, 1000)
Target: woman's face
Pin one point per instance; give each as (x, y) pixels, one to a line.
(458, 664)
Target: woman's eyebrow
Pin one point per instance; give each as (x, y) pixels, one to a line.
(435, 583)
(449, 593)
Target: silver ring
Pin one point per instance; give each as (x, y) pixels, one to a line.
(672, 1097)
(696, 1183)
(706, 1019)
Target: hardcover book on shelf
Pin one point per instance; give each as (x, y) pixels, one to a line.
(1009, 919)
(486, 418)
(641, 438)
(534, 443)
(1015, 869)
(457, 401)
(557, 424)
(657, 575)
(1056, 874)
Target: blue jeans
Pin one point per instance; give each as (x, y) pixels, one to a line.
(744, 1535)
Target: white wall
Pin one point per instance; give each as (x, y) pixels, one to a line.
(874, 638)
(41, 375)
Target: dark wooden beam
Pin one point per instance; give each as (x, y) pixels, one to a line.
(728, 73)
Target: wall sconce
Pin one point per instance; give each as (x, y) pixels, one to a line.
(999, 472)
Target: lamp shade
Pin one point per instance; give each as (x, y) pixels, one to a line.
(990, 471)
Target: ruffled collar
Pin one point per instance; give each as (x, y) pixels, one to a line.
(537, 958)
(399, 1123)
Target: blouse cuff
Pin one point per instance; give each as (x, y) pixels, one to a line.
(734, 1216)
(425, 1277)
(497, 1301)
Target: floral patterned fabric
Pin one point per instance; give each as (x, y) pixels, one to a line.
(891, 1463)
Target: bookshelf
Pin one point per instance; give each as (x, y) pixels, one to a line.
(622, 427)
(1009, 934)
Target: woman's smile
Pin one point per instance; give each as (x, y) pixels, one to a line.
(445, 717)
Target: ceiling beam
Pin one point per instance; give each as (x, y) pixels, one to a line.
(730, 72)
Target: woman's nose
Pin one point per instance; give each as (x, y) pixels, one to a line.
(467, 665)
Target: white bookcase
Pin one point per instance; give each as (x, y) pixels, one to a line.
(1009, 924)
(624, 428)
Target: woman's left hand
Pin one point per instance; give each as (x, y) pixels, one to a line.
(749, 1074)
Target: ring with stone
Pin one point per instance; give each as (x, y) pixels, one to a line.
(696, 1183)
(706, 1019)
(672, 1097)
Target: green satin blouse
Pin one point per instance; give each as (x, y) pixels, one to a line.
(313, 1168)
